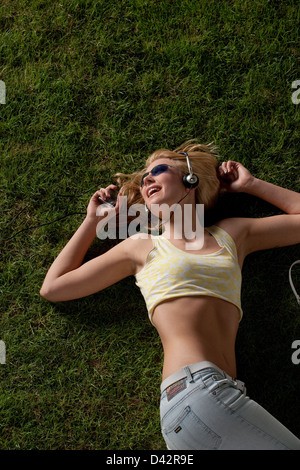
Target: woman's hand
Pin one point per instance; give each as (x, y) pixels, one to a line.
(234, 177)
(96, 208)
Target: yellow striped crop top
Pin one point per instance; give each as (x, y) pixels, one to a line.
(170, 272)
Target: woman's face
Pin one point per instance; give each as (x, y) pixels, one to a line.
(163, 188)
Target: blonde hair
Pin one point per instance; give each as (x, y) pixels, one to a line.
(204, 163)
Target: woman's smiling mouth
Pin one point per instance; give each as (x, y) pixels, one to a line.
(152, 190)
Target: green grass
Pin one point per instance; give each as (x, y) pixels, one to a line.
(92, 88)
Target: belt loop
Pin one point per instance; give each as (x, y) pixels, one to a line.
(188, 374)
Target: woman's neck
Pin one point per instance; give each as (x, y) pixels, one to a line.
(186, 224)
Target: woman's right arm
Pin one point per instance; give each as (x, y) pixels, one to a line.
(69, 279)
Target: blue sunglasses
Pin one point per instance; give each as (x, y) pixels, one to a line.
(157, 170)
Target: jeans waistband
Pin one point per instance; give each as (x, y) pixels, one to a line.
(187, 370)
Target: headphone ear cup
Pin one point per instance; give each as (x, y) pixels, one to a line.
(190, 180)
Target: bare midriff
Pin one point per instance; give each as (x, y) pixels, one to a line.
(197, 328)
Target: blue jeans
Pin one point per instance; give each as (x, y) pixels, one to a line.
(202, 407)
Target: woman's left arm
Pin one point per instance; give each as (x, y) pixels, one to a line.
(267, 232)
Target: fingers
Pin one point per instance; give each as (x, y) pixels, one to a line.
(228, 167)
(229, 170)
(105, 193)
(97, 206)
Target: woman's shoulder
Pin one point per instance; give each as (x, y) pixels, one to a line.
(141, 238)
(139, 242)
(138, 246)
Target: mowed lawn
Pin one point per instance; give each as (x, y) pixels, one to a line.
(92, 88)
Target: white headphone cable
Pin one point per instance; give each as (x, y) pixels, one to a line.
(291, 281)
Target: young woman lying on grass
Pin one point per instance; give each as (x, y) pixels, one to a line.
(192, 292)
